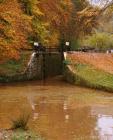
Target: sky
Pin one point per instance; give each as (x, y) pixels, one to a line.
(100, 3)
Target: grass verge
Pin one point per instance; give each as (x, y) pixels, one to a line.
(13, 70)
(86, 75)
(13, 67)
(22, 135)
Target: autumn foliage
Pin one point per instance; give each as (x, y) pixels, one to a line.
(14, 27)
(48, 21)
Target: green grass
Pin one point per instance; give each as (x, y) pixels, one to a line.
(86, 75)
(21, 131)
(13, 67)
(94, 78)
(25, 135)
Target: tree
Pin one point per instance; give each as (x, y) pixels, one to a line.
(88, 18)
(47, 21)
(99, 40)
(14, 27)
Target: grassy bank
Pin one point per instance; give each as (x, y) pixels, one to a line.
(87, 75)
(19, 135)
(13, 70)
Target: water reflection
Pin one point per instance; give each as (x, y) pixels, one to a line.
(67, 117)
(35, 116)
(105, 127)
(59, 112)
(56, 123)
(65, 106)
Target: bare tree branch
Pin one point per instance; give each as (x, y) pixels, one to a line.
(107, 5)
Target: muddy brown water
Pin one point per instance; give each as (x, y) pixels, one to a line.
(58, 110)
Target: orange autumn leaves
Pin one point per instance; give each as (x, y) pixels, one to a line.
(57, 12)
(45, 20)
(16, 25)
(13, 32)
(57, 15)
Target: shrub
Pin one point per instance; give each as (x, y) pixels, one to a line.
(75, 44)
(21, 122)
(99, 40)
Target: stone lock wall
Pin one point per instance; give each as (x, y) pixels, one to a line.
(39, 66)
(34, 69)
